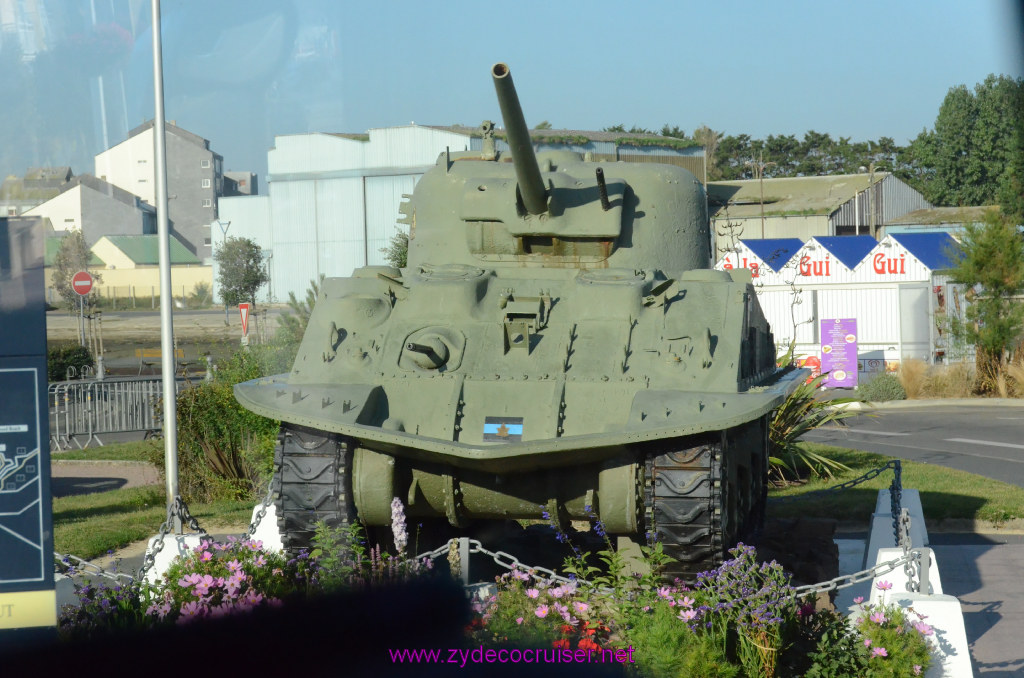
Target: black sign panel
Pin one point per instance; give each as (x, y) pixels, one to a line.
(27, 599)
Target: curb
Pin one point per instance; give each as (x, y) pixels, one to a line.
(935, 402)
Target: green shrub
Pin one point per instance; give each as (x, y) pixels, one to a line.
(60, 358)
(882, 388)
(225, 451)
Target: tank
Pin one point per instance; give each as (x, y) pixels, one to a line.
(558, 345)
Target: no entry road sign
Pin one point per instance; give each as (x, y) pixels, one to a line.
(81, 283)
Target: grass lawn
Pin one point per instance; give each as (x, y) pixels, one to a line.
(945, 493)
(89, 525)
(139, 450)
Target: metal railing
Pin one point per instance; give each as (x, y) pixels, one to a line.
(90, 408)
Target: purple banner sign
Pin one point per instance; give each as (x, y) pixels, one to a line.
(839, 352)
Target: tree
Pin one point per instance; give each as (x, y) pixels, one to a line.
(991, 265)
(972, 155)
(397, 251)
(72, 257)
(543, 124)
(708, 138)
(241, 270)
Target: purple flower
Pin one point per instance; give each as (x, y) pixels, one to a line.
(521, 576)
(398, 528)
(879, 652)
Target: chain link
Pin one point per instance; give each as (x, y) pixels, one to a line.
(501, 558)
(262, 513)
(73, 565)
(870, 475)
(176, 509)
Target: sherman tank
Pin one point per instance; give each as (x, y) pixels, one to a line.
(557, 345)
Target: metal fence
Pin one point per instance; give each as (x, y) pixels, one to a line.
(86, 409)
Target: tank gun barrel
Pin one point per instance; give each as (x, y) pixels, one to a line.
(531, 186)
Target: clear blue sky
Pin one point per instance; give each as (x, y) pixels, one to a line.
(239, 72)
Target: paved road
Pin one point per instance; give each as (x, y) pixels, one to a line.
(987, 440)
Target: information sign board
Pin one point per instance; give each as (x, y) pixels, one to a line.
(839, 352)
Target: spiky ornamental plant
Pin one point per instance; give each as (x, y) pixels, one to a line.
(804, 411)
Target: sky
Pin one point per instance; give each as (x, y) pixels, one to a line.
(240, 72)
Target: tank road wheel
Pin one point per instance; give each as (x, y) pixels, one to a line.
(311, 475)
(686, 503)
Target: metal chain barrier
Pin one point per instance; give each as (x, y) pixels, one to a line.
(262, 513)
(873, 473)
(70, 565)
(176, 509)
(505, 560)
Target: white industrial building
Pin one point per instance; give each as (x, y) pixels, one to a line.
(331, 202)
(897, 289)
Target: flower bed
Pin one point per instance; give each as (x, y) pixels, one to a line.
(740, 619)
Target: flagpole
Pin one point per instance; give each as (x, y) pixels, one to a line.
(167, 357)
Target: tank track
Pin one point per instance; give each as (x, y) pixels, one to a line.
(312, 482)
(685, 502)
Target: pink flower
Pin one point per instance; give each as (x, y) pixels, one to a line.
(665, 592)
(532, 593)
(519, 620)
(688, 615)
(190, 579)
(203, 585)
(883, 586)
(924, 629)
(206, 557)
(687, 601)
(858, 600)
(879, 652)
(234, 566)
(260, 561)
(581, 607)
(521, 576)
(917, 669)
(878, 618)
(541, 611)
(557, 592)
(867, 642)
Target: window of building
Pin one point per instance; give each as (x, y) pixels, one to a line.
(206, 183)
(207, 202)
(142, 162)
(205, 164)
(69, 221)
(12, 211)
(207, 241)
